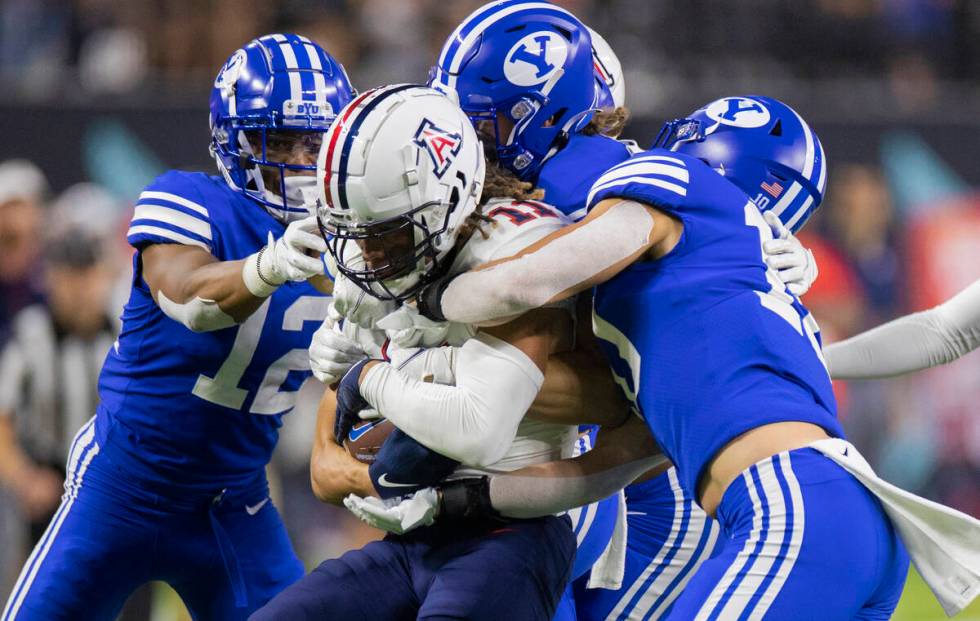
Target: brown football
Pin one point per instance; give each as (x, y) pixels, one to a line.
(366, 437)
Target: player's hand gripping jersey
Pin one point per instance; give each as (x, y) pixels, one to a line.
(707, 337)
(204, 407)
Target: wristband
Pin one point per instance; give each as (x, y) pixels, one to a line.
(467, 499)
(429, 300)
(255, 282)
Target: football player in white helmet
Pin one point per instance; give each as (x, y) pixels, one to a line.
(402, 175)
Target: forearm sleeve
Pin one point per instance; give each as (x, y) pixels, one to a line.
(911, 343)
(561, 267)
(522, 496)
(474, 421)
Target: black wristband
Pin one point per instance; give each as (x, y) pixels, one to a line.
(467, 499)
(429, 299)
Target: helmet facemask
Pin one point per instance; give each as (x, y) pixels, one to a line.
(392, 259)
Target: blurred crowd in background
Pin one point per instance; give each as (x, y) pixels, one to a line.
(98, 98)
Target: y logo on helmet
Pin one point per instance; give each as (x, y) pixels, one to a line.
(535, 58)
(441, 145)
(232, 69)
(738, 112)
(300, 107)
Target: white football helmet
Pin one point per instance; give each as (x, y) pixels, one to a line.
(399, 172)
(608, 68)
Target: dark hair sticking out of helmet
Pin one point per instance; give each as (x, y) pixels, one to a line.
(608, 122)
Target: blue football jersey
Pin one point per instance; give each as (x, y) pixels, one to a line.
(707, 341)
(568, 175)
(204, 408)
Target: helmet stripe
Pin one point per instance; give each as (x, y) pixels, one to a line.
(355, 123)
(319, 81)
(462, 42)
(335, 131)
(295, 79)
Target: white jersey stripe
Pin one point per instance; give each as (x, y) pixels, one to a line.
(645, 168)
(168, 234)
(173, 217)
(651, 158)
(796, 539)
(660, 183)
(173, 198)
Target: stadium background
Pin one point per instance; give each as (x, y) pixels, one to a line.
(110, 94)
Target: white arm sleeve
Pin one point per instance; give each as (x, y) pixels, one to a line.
(476, 420)
(520, 496)
(199, 315)
(911, 343)
(511, 288)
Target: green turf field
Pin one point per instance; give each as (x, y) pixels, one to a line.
(919, 604)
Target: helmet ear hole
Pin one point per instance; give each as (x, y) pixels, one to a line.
(777, 128)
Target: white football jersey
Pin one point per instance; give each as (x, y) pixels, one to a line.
(510, 226)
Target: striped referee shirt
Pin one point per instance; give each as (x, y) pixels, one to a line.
(49, 380)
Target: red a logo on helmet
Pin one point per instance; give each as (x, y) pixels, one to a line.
(441, 145)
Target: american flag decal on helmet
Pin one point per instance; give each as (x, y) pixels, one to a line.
(774, 189)
(441, 145)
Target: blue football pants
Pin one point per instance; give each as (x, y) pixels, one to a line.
(225, 556)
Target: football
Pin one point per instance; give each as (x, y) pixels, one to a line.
(366, 437)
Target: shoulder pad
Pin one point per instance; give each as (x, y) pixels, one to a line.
(513, 226)
(171, 210)
(656, 177)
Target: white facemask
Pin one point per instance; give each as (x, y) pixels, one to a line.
(300, 197)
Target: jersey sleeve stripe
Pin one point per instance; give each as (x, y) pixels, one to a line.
(646, 168)
(173, 217)
(147, 232)
(660, 183)
(653, 158)
(173, 198)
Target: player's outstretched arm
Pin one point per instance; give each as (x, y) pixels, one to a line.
(333, 473)
(620, 456)
(193, 287)
(497, 375)
(615, 234)
(911, 343)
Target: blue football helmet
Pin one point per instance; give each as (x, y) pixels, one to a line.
(761, 145)
(532, 63)
(277, 90)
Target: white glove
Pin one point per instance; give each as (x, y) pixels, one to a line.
(333, 353)
(407, 328)
(793, 263)
(287, 258)
(396, 515)
(356, 305)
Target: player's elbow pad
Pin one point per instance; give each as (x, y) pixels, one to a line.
(198, 315)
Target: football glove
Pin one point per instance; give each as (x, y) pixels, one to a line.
(333, 353)
(396, 515)
(793, 263)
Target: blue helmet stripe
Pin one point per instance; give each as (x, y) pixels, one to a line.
(352, 133)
